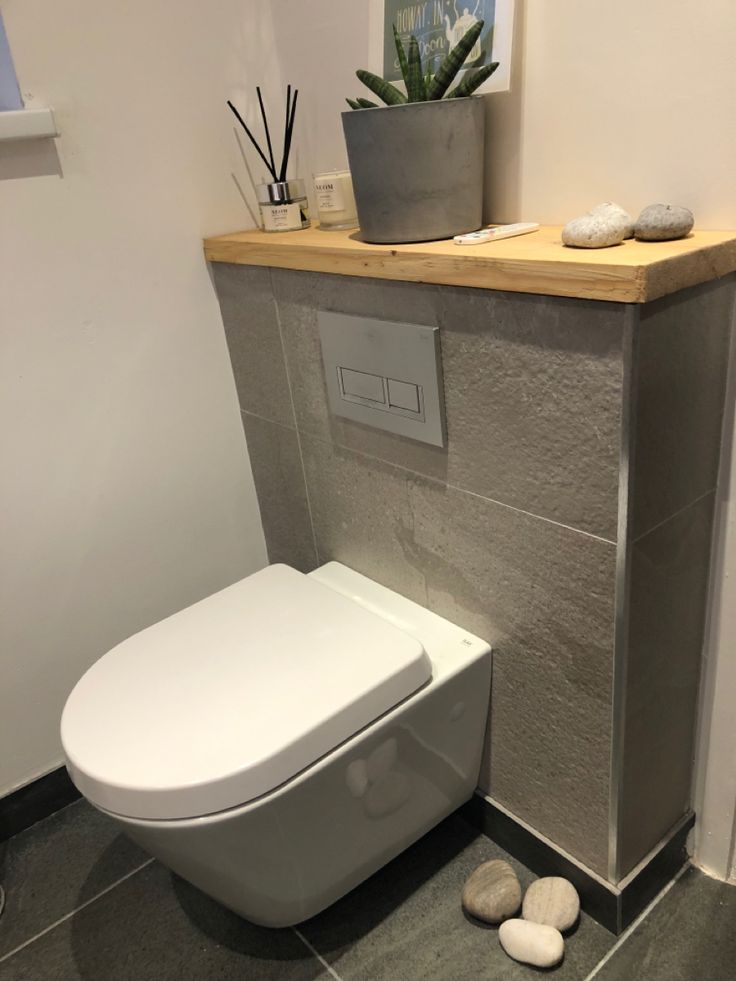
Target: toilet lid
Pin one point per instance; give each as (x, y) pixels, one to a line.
(233, 696)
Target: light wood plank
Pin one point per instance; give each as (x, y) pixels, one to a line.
(633, 272)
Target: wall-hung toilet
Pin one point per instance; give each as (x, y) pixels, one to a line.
(281, 740)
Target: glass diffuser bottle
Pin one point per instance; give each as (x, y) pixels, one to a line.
(283, 206)
(283, 203)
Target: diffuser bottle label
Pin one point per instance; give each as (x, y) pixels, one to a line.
(281, 217)
(330, 195)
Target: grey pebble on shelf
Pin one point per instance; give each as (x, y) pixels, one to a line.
(663, 223)
(615, 212)
(594, 231)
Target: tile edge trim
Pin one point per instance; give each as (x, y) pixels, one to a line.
(612, 907)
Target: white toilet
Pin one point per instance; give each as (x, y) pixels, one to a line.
(278, 742)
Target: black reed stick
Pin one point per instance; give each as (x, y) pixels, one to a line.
(282, 174)
(268, 135)
(252, 139)
(290, 131)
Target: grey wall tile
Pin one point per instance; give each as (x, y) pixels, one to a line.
(254, 342)
(532, 389)
(669, 581)
(282, 498)
(541, 594)
(682, 363)
(362, 517)
(300, 295)
(431, 461)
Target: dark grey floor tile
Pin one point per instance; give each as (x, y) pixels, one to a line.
(406, 923)
(59, 863)
(688, 936)
(156, 927)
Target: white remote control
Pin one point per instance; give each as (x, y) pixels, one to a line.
(499, 231)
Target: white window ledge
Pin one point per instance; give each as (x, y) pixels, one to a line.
(27, 124)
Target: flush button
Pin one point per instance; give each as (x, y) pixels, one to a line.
(362, 385)
(402, 395)
(383, 374)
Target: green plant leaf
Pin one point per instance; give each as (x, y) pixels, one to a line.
(384, 90)
(367, 104)
(416, 90)
(353, 104)
(403, 63)
(428, 76)
(471, 81)
(454, 61)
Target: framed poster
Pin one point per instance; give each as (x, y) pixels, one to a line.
(438, 25)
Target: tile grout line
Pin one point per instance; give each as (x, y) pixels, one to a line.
(675, 514)
(77, 909)
(332, 972)
(293, 413)
(637, 923)
(454, 487)
(271, 422)
(531, 514)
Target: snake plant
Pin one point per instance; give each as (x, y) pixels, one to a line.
(421, 84)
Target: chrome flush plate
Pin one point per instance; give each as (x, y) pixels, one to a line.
(384, 374)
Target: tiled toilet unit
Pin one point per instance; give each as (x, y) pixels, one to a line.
(566, 516)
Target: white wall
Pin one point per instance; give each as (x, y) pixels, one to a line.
(632, 101)
(628, 101)
(715, 783)
(126, 488)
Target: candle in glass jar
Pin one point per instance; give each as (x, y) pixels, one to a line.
(335, 200)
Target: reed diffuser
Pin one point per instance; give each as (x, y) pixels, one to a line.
(282, 202)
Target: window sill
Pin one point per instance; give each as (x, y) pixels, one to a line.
(27, 124)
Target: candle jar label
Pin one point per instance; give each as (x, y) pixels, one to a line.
(330, 195)
(281, 217)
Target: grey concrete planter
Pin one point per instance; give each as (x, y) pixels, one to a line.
(417, 169)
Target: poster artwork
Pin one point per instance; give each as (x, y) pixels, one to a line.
(438, 25)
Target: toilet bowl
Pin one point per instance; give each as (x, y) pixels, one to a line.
(278, 742)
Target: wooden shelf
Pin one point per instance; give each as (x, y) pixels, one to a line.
(633, 272)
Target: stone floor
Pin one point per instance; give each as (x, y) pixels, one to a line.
(84, 903)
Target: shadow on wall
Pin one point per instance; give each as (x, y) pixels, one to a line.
(253, 64)
(318, 47)
(502, 189)
(29, 158)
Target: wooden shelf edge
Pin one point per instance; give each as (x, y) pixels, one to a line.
(638, 275)
(681, 272)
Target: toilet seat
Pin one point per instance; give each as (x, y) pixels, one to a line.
(230, 698)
